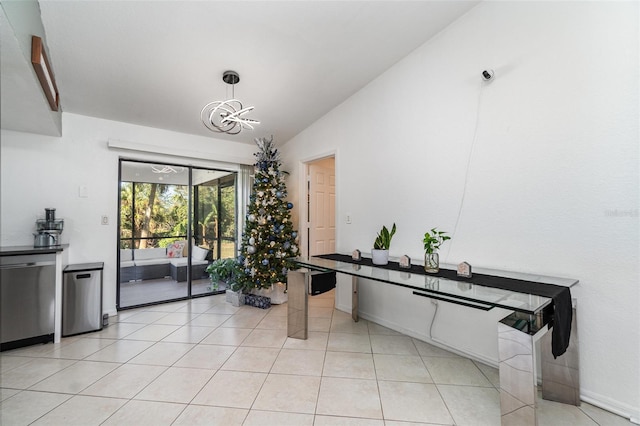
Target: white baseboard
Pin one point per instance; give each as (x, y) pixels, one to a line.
(611, 405)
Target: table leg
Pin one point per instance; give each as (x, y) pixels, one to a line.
(354, 298)
(297, 305)
(560, 376)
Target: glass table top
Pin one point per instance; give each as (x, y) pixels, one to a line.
(481, 296)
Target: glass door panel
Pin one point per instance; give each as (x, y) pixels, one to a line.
(154, 219)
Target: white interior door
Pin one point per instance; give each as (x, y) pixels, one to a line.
(322, 207)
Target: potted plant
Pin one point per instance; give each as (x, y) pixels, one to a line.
(432, 241)
(221, 271)
(380, 252)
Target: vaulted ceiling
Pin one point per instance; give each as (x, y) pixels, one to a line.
(157, 63)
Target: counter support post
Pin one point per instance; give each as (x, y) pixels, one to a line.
(561, 375)
(297, 305)
(354, 298)
(517, 376)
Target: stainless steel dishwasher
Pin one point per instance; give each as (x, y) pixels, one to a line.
(27, 300)
(82, 298)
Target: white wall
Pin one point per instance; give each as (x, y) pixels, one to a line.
(553, 178)
(41, 171)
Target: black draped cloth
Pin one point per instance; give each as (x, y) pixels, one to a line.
(561, 296)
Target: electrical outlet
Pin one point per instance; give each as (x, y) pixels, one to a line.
(104, 220)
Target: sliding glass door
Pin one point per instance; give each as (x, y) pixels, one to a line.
(162, 208)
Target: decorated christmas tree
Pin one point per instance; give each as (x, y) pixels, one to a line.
(268, 241)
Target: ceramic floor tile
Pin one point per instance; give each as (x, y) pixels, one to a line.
(81, 348)
(176, 385)
(343, 323)
(166, 307)
(146, 317)
(550, 413)
(470, 405)
(125, 381)
(162, 353)
(273, 322)
(176, 318)
(153, 332)
(491, 373)
(32, 372)
(413, 402)
(348, 364)
(319, 324)
(26, 407)
(189, 334)
(425, 349)
(209, 320)
(195, 309)
(293, 394)
(347, 342)
(35, 351)
(261, 418)
(223, 308)
(319, 312)
(227, 336)
(8, 393)
(603, 417)
(198, 415)
(120, 351)
(82, 411)
(210, 357)
(280, 310)
(395, 345)
(315, 341)
(455, 371)
(76, 377)
(348, 421)
(337, 398)
(242, 321)
(10, 362)
(236, 389)
(252, 359)
(404, 368)
(118, 330)
(145, 413)
(265, 338)
(378, 329)
(299, 361)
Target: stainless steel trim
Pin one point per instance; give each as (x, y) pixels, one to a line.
(26, 265)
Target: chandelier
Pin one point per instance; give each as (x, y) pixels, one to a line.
(227, 116)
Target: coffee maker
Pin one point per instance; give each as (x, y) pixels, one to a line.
(49, 230)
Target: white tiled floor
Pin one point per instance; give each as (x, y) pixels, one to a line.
(206, 362)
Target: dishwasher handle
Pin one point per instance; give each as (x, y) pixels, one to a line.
(26, 265)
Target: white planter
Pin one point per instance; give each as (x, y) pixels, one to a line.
(379, 257)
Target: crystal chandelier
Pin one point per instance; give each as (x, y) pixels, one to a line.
(227, 116)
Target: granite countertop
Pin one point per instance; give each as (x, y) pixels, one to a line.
(26, 250)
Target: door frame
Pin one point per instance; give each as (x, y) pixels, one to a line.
(303, 197)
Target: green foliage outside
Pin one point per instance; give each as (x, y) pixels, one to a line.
(161, 214)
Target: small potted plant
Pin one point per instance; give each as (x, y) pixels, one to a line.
(432, 241)
(380, 252)
(221, 271)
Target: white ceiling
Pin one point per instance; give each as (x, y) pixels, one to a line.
(157, 63)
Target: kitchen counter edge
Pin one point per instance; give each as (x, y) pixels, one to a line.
(27, 250)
